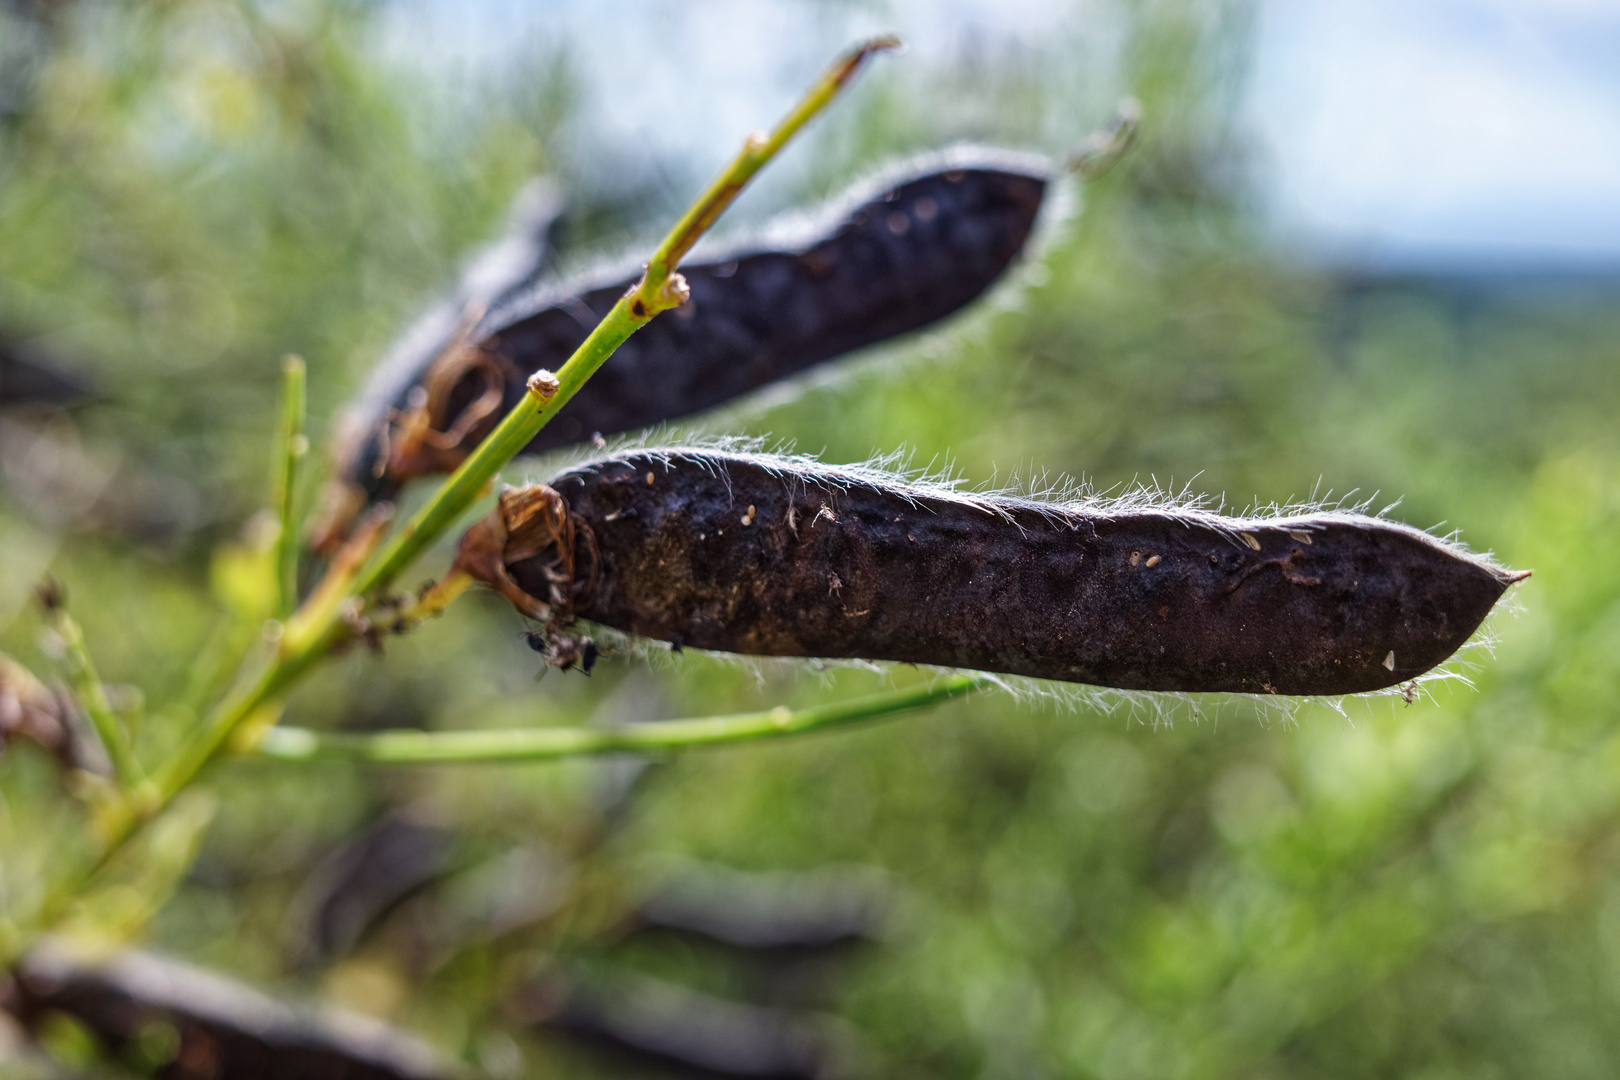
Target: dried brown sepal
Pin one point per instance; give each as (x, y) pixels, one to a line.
(458, 402)
(532, 526)
(849, 563)
(47, 717)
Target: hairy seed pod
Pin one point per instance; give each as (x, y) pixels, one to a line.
(894, 258)
(780, 556)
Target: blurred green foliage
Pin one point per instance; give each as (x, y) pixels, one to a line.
(1091, 886)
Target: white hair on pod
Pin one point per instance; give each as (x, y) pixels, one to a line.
(1058, 499)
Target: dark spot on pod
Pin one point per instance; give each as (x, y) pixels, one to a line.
(922, 246)
(999, 584)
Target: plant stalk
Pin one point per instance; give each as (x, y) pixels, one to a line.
(291, 446)
(326, 619)
(541, 744)
(88, 688)
(659, 289)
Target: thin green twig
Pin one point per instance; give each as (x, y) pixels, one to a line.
(659, 289)
(291, 445)
(87, 687)
(322, 622)
(1101, 150)
(539, 744)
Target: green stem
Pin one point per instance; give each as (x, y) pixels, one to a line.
(291, 445)
(660, 289)
(87, 687)
(539, 744)
(318, 626)
(1102, 150)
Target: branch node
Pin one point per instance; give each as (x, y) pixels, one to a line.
(675, 292)
(544, 385)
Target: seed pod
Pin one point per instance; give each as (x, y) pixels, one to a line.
(212, 1026)
(776, 556)
(645, 1026)
(897, 257)
(31, 375)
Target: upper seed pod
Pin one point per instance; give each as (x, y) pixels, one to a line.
(778, 556)
(892, 258)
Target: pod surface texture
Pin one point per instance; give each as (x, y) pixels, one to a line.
(779, 557)
(902, 260)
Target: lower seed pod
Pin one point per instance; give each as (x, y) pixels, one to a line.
(778, 556)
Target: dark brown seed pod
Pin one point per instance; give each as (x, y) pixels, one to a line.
(779, 556)
(31, 375)
(896, 257)
(212, 1026)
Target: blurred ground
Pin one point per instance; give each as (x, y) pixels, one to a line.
(1136, 889)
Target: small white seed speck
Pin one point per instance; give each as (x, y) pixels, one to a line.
(1154, 560)
(1389, 661)
(1251, 540)
(649, 479)
(1136, 558)
(1302, 537)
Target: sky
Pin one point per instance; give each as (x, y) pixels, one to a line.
(1443, 134)
(1405, 135)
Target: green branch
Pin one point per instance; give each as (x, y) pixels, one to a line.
(291, 445)
(92, 695)
(324, 621)
(659, 289)
(320, 625)
(540, 744)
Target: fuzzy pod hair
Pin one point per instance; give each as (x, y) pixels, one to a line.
(894, 257)
(782, 556)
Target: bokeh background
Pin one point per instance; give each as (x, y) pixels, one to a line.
(1360, 247)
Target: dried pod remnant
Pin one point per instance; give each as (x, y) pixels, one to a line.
(898, 256)
(46, 716)
(851, 562)
(214, 1026)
